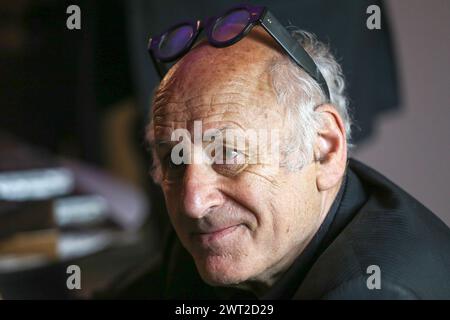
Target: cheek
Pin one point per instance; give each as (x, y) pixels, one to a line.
(301, 209)
(259, 198)
(286, 209)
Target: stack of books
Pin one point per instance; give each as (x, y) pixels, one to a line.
(42, 208)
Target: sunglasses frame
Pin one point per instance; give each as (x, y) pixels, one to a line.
(258, 15)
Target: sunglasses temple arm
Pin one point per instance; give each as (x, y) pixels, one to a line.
(293, 48)
(161, 69)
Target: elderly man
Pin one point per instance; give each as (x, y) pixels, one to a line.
(285, 214)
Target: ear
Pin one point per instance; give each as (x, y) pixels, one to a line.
(330, 149)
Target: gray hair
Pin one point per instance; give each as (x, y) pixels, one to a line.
(301, 94)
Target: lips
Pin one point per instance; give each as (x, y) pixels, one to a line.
(215, 235)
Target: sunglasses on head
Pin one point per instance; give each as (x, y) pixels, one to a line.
(225, 30)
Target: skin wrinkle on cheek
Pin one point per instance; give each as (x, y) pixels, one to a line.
(251, 170)
(273, 187)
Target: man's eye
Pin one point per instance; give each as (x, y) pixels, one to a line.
(173, 169)
(231, 163)
(228, 156)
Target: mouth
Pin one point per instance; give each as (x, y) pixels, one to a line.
(215, 236)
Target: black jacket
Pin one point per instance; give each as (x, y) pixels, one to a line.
(371, 223)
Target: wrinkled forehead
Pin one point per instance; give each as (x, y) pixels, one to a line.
(246, 59)
(213, 84)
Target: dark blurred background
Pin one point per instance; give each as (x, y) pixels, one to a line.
(74, 187)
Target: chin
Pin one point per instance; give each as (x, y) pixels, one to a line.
(223, 270)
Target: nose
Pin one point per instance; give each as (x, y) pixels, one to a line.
(199, 193)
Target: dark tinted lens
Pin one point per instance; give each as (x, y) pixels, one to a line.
(175, 41)
(231, 25)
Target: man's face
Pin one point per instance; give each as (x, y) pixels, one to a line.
(242, 223)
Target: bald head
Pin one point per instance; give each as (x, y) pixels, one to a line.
(210, 68)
